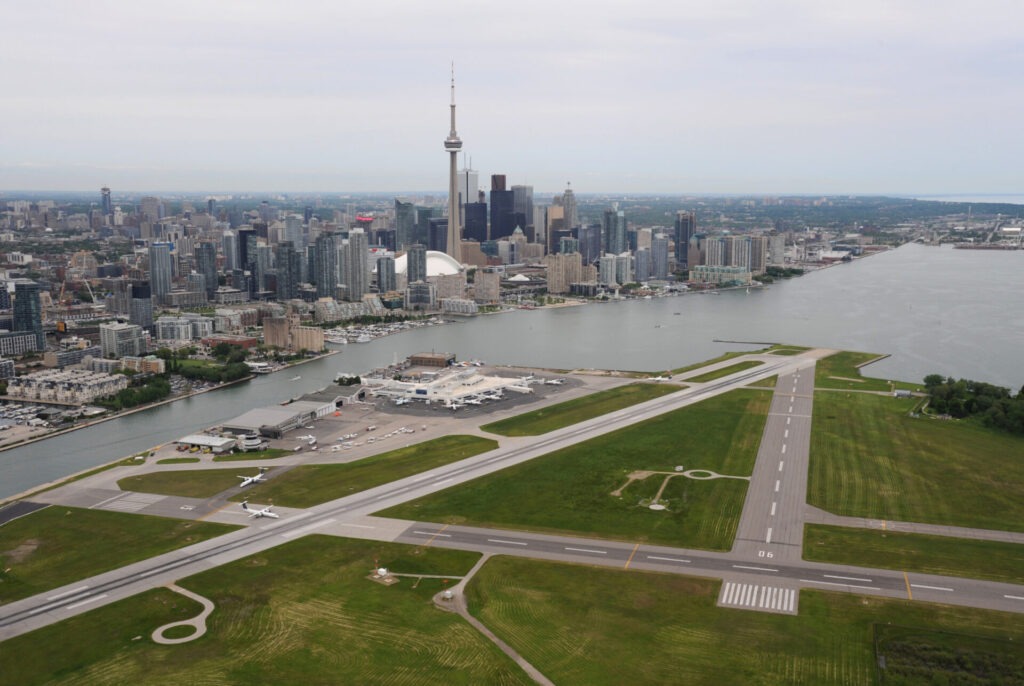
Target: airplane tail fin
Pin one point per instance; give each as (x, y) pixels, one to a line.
(245, 505)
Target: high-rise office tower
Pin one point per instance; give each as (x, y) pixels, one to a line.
(326, 264)
(502, 208)
(229, 246)
(659, 256)
(469, 181)
(572, 219)
(386, 279)
(642, 265)
(453, 144)
(475, 214)
(437, 233)
(211, 207)
(243, 247)
(405, 224)
(590, 242)
(357, 267)
(686, 227)
(140, 307)
(160, 270)
(28, 311)
(416, 263)
(106, 206)
(206, 264)
(288, 271)
(151, 208)
(613, 230)
(293, 230)
(522, 206)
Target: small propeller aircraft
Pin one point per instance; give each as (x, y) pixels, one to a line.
(254, 479)
(265, 512)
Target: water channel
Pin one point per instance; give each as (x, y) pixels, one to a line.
(955, 312)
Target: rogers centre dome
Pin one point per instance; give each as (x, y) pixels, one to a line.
(438, 264)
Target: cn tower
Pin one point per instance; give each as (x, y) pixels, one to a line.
(453, 144)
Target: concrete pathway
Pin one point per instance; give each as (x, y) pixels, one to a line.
(454, 600)
(199, 621)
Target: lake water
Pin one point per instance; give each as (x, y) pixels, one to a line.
(953, 312)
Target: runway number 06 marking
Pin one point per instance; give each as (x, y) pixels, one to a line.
(765, 553)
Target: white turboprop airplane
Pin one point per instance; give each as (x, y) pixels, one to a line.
(254, 479)
(265, 512)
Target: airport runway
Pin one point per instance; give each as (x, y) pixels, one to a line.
(749, 583)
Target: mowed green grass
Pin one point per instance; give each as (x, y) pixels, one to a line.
(271, 454)
(178, 460)
(301, 613)
(836, 371)
(309, 485)
(592, 626)
(577, 410)
(923, 553)
(569, 491)
(58, 545)
(189, 483)
(870, 459)
(721, 358)
(726, 371)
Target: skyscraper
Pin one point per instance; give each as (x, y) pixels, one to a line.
(686, 226)
(613, 231)
(453, 144)
(206, 264)
(502, 208)
(106, 205)
(229, 245)
(160, 270)
(386, 279)
(140, 307)
(659, 256)
(405, 224)
(416, 263)
(357, 268)
(288, 268)
(326, 264)
(468, 183)
(522, 206)
(28, 312)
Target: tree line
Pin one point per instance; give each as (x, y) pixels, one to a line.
(993, 405)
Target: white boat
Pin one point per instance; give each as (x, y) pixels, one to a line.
(364, 338)
(296, 378)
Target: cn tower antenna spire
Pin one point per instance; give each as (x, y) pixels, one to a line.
(452, 144)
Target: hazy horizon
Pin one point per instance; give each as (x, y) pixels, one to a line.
(706, 96)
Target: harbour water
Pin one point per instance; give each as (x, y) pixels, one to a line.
(954, 312)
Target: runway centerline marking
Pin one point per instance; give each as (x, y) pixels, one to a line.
(588, 550)
(756, 569)
(933, 588)
(786, 434)
(832, 583)
(777, 482)
(773, 509)
(780, 465)
(783, 448)
(768, 538)
(502, 540)
(444, 481)
(788, 420)
(65, 594)
(677, 559)
(1014, 597)
(847, 578)
(86, 602)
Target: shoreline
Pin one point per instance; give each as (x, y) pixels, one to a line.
(142, 408)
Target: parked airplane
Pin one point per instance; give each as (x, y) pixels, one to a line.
(254, 479)
(265, 512)
(661, 378)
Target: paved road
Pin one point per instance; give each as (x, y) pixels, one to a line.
(753, 583)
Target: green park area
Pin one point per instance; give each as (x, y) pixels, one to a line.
(309, 485)
(599, 488)
(585, 625)
(188, 483)
(302, 613)
(870, 458)
(922, 553)
(843, 371)
(270, 454)
(178, 460)
(721, 358)
(578, 410)
(725, 371)
(59, 545)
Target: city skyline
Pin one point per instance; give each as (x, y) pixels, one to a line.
(703, 99)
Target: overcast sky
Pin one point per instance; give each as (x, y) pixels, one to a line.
(686, 96)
